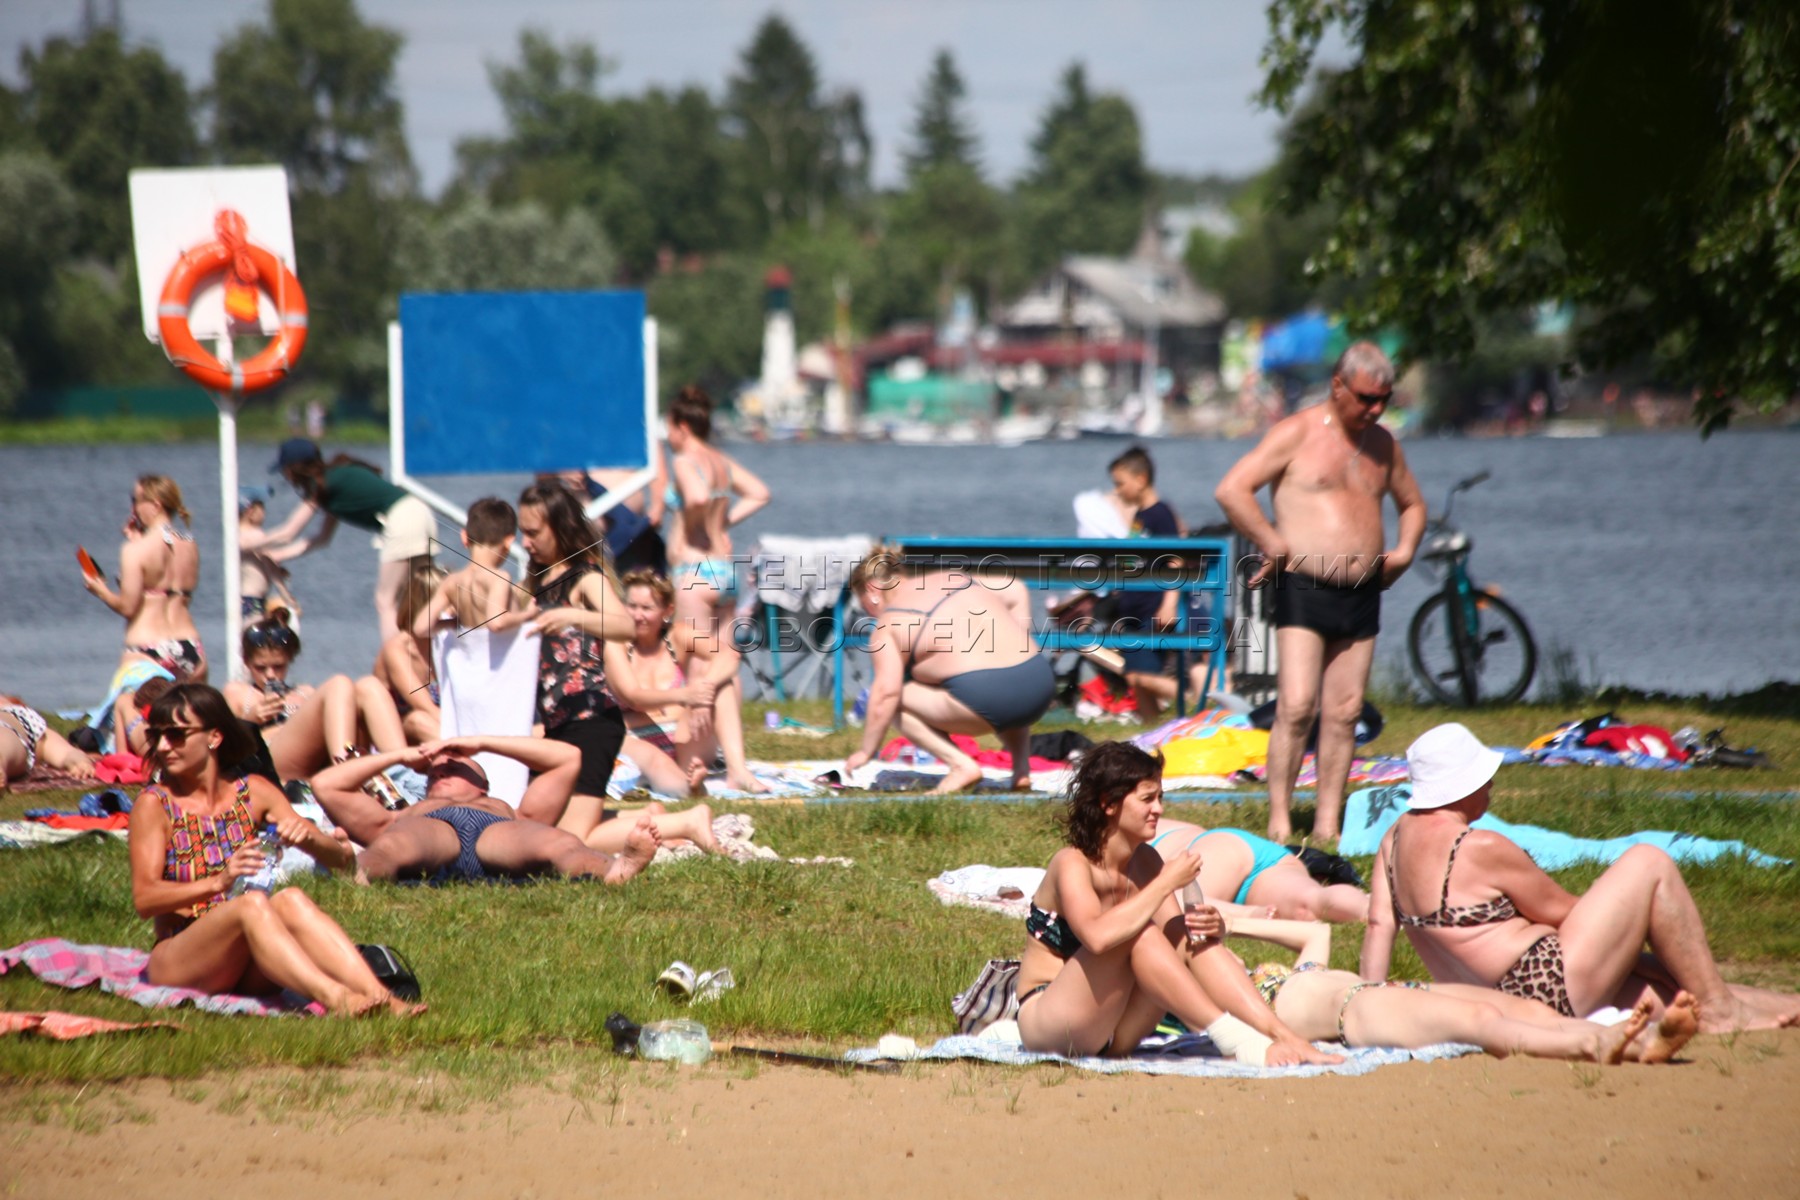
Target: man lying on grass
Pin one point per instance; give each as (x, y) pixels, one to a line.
(460, 832)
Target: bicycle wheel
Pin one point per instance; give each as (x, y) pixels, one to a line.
(1495, 662)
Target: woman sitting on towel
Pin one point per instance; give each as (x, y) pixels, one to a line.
(195, 833)
(1251, 872)
(307, 728)
(952, 654)
(1109, 950)
(1322, 1004)
(32, 742)
(1479, 911)
(679, 691)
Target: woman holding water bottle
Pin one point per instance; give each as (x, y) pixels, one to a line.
(1109, 947)
(199, 832)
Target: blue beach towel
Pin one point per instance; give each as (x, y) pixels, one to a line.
(1356, 1061)
(1369, 813)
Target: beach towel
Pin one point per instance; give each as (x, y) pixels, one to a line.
(1010, 1053)
(488, 685)
(29, 835)
(128, 678)
(1369, 813)
(1004, 890)
(736, 834)
(120, 971)
(66, 1027)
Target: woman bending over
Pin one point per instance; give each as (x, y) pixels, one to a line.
(194, 833)
(1109, 950)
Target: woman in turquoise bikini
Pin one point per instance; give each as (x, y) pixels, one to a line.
(712, 494)
(1252, 871)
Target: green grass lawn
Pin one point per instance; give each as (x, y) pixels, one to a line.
(823, 955)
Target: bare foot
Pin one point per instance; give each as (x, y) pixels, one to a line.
(350, 1004)
(1610, 1043)
(1680, 1022)
(1280, 833)
(696, 777)
(747, 782)
(1733, 1015)
(700, 830)
(1021, 783)
(640, 848)
(404, 1008)
(960, 779)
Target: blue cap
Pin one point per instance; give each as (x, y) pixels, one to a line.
(254, 493)
(293, 452)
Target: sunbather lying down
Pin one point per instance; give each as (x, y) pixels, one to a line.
(1240, 868)
(1321, 1004)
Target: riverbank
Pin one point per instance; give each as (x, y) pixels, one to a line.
(255, 424)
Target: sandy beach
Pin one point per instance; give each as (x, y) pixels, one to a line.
(1718, 1123)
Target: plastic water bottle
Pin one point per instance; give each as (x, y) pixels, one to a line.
(263, 880)
(772, 719)
(1191, 899)
(675, 1041)
(860, 709)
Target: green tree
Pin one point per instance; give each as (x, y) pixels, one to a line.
(948, 219)
(99, 110)
(942, 135)
(1087, 190)
(313, 89)
(1260, 270)
(37, 232)
(804, 155)
(1480, 158)
(477, 247)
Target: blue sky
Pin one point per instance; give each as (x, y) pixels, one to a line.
(1189, 66)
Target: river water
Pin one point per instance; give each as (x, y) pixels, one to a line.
(1656, 560)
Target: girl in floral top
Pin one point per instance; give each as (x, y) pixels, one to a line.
(195, 833)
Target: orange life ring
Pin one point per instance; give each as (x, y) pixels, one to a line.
(267, 366)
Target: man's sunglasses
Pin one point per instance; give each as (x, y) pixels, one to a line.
(175, 735)
(1370, 399)
(280, 638)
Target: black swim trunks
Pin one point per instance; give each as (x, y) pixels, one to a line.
(1335, 612)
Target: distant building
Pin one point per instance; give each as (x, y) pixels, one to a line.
(1109, 310)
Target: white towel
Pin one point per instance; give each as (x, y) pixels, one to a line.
(488, 685)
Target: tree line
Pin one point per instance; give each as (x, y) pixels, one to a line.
(689, 193)
(1463, 165)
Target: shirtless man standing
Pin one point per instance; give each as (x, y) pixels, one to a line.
(1328, 468)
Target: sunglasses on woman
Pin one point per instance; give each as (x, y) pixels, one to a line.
(175, 735)
(279, 638)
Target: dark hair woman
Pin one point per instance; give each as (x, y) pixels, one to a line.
(577, 604)
(194, 833)
(353, 491)
(1109, 950)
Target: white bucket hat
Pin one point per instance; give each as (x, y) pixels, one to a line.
(1447, 764)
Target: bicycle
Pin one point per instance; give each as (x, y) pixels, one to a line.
(1467, 644)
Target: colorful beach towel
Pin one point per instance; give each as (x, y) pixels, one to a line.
(1356, 1062)
(65, 1027)
(1369, 813)
(120, 971)
(29, 835)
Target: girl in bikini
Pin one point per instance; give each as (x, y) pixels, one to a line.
(1109, 950)
(159, 568)
(308, 728)
(25, 741)
(675, 720)
(194, 833)
(1253, 873)
(712, 493)
(404, 665)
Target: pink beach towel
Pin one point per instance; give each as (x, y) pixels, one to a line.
(120, 970)
(66, 1027)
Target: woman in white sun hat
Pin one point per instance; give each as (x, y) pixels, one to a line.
(1478, 910)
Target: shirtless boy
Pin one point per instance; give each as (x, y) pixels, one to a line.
(1328, 469)
(482, 593)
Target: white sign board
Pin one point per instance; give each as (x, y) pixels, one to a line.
(172, 211)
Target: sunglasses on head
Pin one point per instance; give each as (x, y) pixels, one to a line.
(278, 638)
(174, 735)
